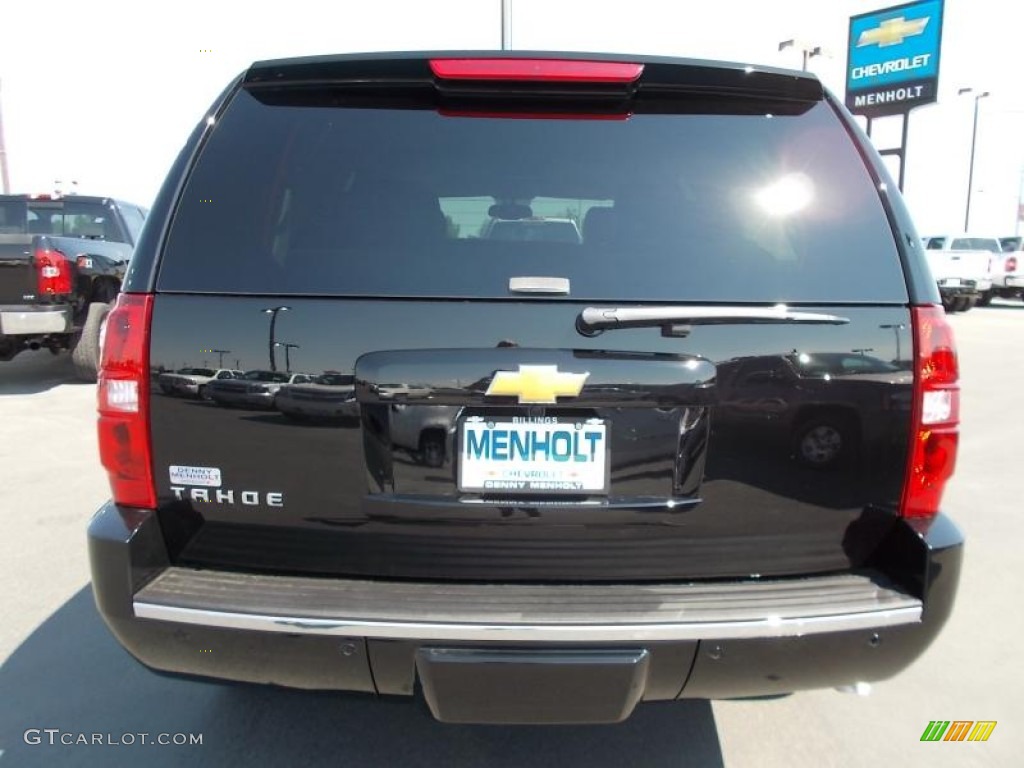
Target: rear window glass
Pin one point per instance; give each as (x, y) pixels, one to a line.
(976, 244)
(328, 200)
(67, 218)
(13, 217)
(133, 219)
(92, 221)
(1011, 243)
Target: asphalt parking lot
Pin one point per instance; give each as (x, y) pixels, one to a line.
(63, 670)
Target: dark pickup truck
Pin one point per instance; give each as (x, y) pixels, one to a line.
(62, 260)
(698, 452)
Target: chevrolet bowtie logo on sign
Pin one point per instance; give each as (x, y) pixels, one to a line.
(958, 730)
(536, 384)
(892, 32)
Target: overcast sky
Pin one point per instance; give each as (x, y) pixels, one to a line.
(106, 91)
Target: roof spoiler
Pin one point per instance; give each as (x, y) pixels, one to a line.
(660, 75)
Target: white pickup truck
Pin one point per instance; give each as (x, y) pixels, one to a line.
(962, 266)
(1007, 271)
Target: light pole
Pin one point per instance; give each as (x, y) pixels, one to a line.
(287, 353)
(974, 138)
(220, 356)
(506, 25)
(272, 311)
(1020, 203)
(807, 50)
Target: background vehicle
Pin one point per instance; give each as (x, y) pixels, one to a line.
(1008, 271)
(62, 260)
(963, 268)
(594, 534)
(328, 397)
(962, 265)
(252, 389)
(192, 381)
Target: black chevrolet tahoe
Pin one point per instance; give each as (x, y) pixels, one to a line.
(626, 498)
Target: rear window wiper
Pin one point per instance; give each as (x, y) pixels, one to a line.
(678, 321)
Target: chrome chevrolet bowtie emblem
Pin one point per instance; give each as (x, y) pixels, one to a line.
(536, 384)
(892, 32)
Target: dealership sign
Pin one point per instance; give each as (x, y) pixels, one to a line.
(893, 59)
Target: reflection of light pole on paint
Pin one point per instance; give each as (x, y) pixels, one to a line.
(220, 356)
(287, 353)
(272, 311)
(896, 328)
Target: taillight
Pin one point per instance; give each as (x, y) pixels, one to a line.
(936, 413)
(1011, 264)
(547, 70)
(123, 395)
(53, 273)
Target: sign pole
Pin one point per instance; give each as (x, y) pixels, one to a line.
(903, 148)
(893, 65)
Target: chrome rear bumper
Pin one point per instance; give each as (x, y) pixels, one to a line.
(525, 613)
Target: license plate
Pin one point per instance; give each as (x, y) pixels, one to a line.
(521, 454)
(951, 282)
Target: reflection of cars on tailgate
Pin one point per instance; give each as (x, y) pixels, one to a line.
(255, 389)
(816, 400)
(424, 432)
(192, 381)
(328, 396)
